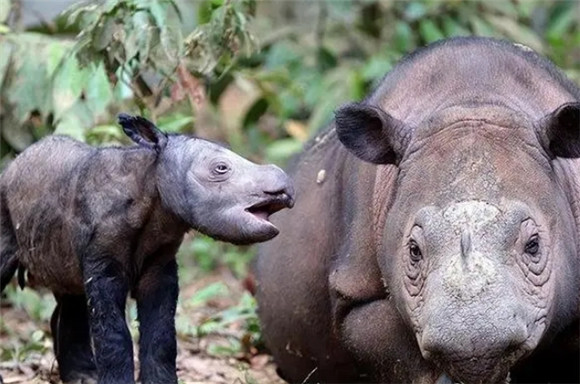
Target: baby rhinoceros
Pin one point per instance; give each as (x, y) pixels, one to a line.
(95, 224)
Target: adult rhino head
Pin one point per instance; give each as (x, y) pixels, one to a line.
(479, 246)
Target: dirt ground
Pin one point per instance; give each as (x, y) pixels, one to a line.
(195, 363)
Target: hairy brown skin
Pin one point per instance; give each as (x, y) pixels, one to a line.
(95, 224)
(452, 251)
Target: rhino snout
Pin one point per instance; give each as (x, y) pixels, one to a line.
(278, 185)
(480, 351)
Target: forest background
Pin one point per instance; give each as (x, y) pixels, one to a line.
(261, 76)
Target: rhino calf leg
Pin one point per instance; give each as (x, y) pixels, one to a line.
(156, 296)
(106, 289)
(72, 342)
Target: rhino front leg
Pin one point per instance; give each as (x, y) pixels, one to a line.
(106, 289)
(156, 296)
(72, 340)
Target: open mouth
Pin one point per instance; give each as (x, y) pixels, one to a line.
(271, 205)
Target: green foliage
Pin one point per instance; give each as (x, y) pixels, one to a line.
(38, 306)
(36, 344)
(237, 327)
(206, 254)
(313, 56)
(128, 54)
(243, 318)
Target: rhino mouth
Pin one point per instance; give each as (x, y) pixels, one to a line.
(445, 379)
(270, 205)
(476, 371)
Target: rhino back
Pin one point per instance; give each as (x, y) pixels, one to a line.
(61, 194)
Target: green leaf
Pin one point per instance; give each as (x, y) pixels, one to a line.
(376, 67)
(122, 90)
(403, 37)
(526, 8)
(282, 54)
(480, 27)
(98, 92)
(175, 123)
(282, 149)
(70, 125)
(143, 29)
(256, 111)
(37, 336)
(503, 7)
(326, 59)
(110, 5)
(16, 134)
(159, 10)
(168, 20)
(131, 43)
(68, 85)
(5, 8)
(103, 35)
(207, 293)
(7, 49)
(204, 11)
(105, 134)
(29, 88)
(415, 10)
(561, 23)
(56, 52)
(452, 28)
(429, 31)
(76, 121)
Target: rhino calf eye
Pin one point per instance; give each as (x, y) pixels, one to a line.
(533, 245)
(415, 252)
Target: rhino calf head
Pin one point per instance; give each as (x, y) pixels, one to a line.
(479, 246)
(211, 188)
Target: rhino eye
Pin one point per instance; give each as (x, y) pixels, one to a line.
(533, 245)
(221, 169)
(415, 252)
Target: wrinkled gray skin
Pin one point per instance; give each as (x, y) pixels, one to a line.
(93, 224)
(452, 252)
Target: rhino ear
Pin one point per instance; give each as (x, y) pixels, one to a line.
(370, 133)
(143, 132)
(560, 131)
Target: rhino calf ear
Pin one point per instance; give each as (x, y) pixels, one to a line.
(561, 131)
(143, 132)
(370, 133)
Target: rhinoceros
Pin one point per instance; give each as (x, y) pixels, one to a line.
(437, 234)
(95, 224)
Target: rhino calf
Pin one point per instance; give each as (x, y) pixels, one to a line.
(95, 224)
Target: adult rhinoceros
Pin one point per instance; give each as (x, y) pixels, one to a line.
(452, 251)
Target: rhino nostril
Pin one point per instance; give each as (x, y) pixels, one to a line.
(281, 191)
(283, 197)
(284, 192)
